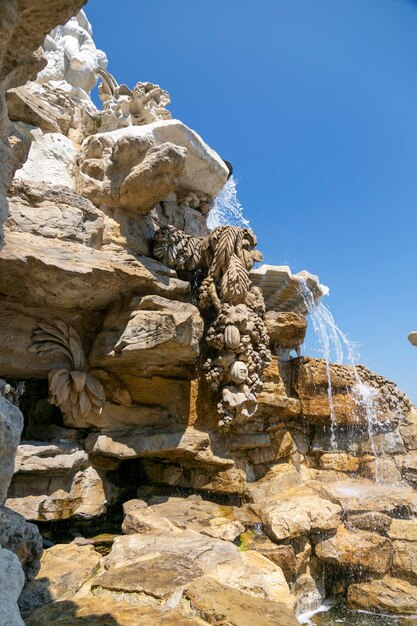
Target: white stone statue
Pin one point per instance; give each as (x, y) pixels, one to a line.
(72, 55)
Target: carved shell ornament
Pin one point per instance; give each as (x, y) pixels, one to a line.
(77, 391)
(238, 333)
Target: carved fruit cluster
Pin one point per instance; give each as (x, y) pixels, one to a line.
(237, 333)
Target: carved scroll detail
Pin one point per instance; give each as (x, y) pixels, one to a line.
(237, 333)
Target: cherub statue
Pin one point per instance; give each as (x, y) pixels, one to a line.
(72, 55)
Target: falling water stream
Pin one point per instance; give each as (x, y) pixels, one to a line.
(227, 208)
(337, 348)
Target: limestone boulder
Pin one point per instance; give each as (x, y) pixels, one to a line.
(42, 457)
(372, 521)
(408, 430)
(298, 512)
(361, 495)
(405, 559)
(248, 571)
(142, 443)
(403, 529)
(129, 172)
(389, 595)
(161, 578)
(40, 497)
(23, 27)
(222, 605)
(286, 330)
(201, 515)
(356, 392)
(280, 478)
(275, 400)
(64, 569)
(11, 425)
(12, 580)
(52, 158)
(141, 519)
(358, 548)
(163, 156)
(22, 538)
(409, 467)
(99, 611)
(56, 273)
(40, 106)
(152, 336)
(54, 212)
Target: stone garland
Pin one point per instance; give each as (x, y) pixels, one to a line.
(234, 309)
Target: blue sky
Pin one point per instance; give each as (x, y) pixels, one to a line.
(315, 104)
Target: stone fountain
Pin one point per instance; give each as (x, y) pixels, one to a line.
(152, 384)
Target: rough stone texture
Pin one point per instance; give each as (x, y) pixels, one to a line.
(54, 212)
(120, 153)
(247, 571)
(286, 330)
(311, 383)
(40, 457)
(160, 577)
(405, 559)
(376, 522)
(22, 538)
(70, 275)
(223, 606)
(358, 496)
(297, 513)
(11, 583)
(404, 529)
(150, 337)
(23, 26)
(93, 611)
(357, 548)
(64, 569)
(130, 172)
(52, 159)
(139, 518)
(11, 425)
(201, 515)
(389, 595)
(85, 494)
(408, 430)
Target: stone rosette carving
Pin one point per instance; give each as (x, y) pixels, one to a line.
(77, 391)
(236, 338)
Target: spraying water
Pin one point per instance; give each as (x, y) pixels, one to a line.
(227, 208)
(337, 348)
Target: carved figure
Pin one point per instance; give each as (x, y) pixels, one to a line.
(237, 332)
(72, 55)
(77, 391)
(123, 106)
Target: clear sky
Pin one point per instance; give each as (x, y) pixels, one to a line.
(315, 104)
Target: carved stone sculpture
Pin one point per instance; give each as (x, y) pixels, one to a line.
(77, 391)
(237, 341)
(74, 390)
(123, 106)
(72, 55)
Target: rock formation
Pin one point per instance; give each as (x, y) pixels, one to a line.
(151, 378)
